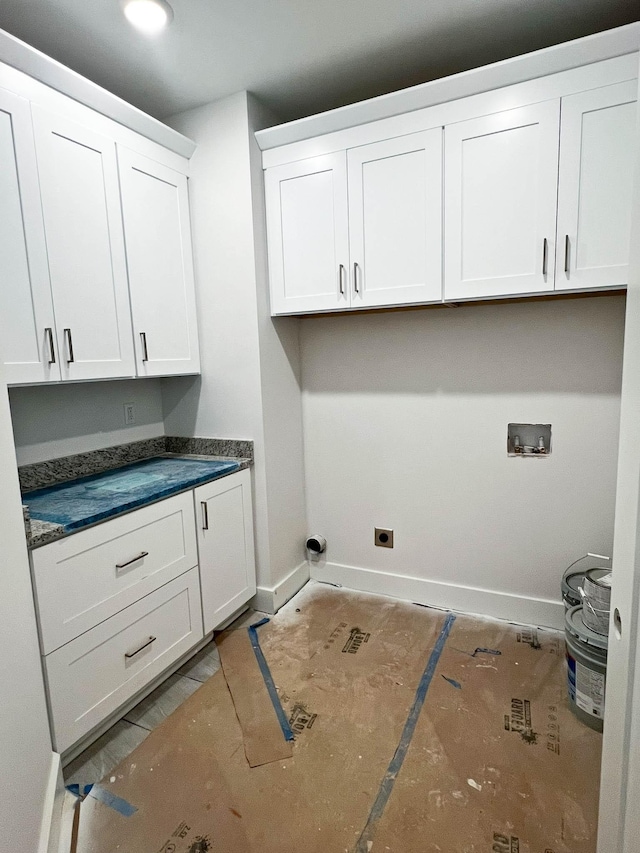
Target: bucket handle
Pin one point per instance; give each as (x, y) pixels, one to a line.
(587, 603)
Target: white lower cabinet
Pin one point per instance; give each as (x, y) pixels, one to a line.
(225, 545)
(92, 676)
(121, 602)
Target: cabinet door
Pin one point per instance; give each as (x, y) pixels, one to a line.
(395, 220)
(27, 328)
(307, 227)
(597, 139)
(225, 545)
(85, 244)
(501, 177)
(155, 209)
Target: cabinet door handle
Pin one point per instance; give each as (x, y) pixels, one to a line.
(52, 353)
(143, 341)
(545, 253)
(341, 278)
(567, 248)
(205, 515)
(69, 340)
(140, 648)
(132, 560)
(355, 277)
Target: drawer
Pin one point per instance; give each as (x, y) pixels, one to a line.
(87, 577)
(92, 676)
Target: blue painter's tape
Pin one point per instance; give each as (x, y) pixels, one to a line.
(268, 679)
(453, 682)
(389, 779)
(75, 789)
(112, 801)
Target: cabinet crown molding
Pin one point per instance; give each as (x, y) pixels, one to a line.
(21, 56)
(618, 42)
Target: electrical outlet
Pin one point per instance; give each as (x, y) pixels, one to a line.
(129, 413)
(383, 537)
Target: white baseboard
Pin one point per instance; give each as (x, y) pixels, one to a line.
(484, 602)
(52, 808)
(271, 599)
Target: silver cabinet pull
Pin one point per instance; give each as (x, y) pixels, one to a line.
(567, 247)
(69, 340)
(545, 253)
(52, 353)
(132, 560)
(341, 278)
(355, 277)
(205, 515)
(143, 341)
(140, 648)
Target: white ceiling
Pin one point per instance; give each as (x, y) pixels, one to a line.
(298, 56)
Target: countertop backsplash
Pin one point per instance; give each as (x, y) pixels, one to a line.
(42, 474)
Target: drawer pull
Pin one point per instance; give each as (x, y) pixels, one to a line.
(132, 560)
(205, 515)
(138, 650)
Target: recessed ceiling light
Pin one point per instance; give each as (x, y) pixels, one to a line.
(149, 16)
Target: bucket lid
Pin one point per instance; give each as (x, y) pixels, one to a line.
(576, 627)
(571, 583)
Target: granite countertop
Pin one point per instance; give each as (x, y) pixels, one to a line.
(64, 508)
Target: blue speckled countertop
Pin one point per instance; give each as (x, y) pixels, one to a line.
(88, 500)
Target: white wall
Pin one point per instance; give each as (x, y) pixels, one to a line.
(25, 745)
(248, 368)
(53, 421)
(405, 424)
(279, 341)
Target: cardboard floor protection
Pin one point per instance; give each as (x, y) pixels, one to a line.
(262, 734)
(416, 731)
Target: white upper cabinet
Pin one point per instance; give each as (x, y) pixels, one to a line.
(356, 229)
(155, 208)
(307, 227)
(27, 328)
(594, 205)
(395, 220)
(517, 191)
(500, 203)
(85, 245)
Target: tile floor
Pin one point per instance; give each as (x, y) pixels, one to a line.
(108, 751)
